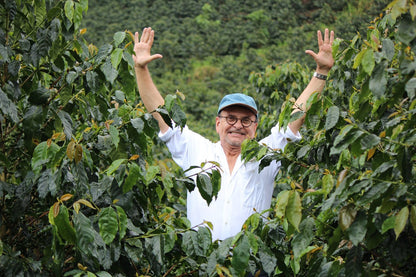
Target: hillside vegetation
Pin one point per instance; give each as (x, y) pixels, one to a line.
(87, 189)
(211, 47)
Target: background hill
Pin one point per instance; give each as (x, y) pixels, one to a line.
(211, 47)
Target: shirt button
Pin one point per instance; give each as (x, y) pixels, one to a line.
(228, 202)
(226, 223)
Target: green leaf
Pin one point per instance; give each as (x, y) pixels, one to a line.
(67, 123)
(7, 107)
(388, 48)
(203, 182)
(118, 38)
(268, 260)
(133, 177)
(115, 165)
(411, 87)
(378, 81)
(114, 135)
(303, 239)
(369, 141)
(388, 224)
(215, 182)
(190, 244)
(109, 71)
(151, 173)
(155, 246)
(84, 233)
(178, 116)
(116, 57)
(401, 221)
(108, 224)
(343, 133)
(40, 156)
(332, 117)
(92, 79)
(346, 216)
(77, 16)
(406, 31)
(47, 183)
(303, 151)
(281, 203)
(138, 124)
(122, 222)
(413, 217)
(103, 52)
(358, 229)
(69, 10)
(358, 58)
(65, 229)
(241, 255)
(294, 209)
(327, 184)
(404, 162)
(368, 61)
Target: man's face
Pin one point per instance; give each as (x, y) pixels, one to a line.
(234, 135)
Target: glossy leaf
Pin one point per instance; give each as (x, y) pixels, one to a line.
(108, 224)
(203, 182)
(304, 238)
(118, 38)
(401, 221)
(294, 209)
(358, 229)
(347, 216)
(241, 255)
(281, 203)
(332, 117)
(115, 165)
(413, 217)
(65, 228)
(122, 221)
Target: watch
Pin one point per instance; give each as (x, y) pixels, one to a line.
(319, 76)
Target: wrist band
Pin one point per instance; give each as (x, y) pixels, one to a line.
(319, 76)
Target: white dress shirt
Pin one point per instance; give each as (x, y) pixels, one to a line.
(243, 191)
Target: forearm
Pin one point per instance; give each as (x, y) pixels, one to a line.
(150, 95)
(315, 85)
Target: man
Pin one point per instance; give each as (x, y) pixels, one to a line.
(243, 188)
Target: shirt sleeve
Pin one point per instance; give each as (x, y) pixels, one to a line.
(280, 137)
(184, 145)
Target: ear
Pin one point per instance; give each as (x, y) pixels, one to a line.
(217, 123)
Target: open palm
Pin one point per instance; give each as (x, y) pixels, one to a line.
(324, 59)
(142, 55)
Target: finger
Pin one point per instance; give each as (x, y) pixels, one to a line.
(331, 38)
(311, 53)
(319, 35)
(145, 35)
(136, 37)
(155, 57)
(326, 36)
(151, 37)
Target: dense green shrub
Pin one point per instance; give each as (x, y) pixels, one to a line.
(86, 189)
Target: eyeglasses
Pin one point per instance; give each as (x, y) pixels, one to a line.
(245, 121)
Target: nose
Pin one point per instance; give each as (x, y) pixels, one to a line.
(238, 124)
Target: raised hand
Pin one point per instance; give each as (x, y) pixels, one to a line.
(324, 60)
(142, 48)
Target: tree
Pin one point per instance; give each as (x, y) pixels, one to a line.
(351, 179)
(85, 192)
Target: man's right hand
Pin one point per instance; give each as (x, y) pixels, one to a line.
(142, 48)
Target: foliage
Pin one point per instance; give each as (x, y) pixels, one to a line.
(353, 175)
(84, 192)
(210, 47)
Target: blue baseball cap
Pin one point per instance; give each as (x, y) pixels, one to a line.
(238, 99)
